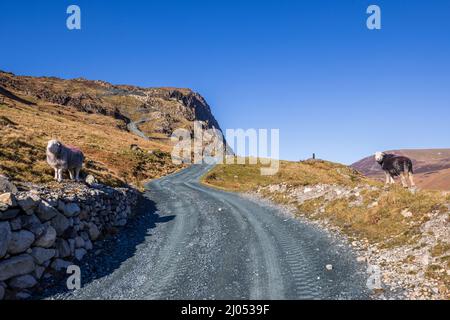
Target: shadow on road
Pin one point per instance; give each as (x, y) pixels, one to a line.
(108, 254)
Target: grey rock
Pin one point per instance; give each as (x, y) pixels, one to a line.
(16, 266)
(47, 239)
(7, 186)
(20, 241)
(79, 242)
(33, 224)
(41, 255)
(71, 209)
(22, 282)
(60, 223)
(80, 253)
(9, 214)
(45, 211)
(29, 203)
(2, 292)
(16, 224)
(63, 248)
(39, 272)
(37, 228)
(59, 264)
(88, 245)
(5, 238)
(94, 233)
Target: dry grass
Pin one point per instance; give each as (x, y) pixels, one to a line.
(384, 222)
(247, 177)
(26, 129)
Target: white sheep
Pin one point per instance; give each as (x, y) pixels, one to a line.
(61, 158)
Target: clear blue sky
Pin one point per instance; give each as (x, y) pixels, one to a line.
(310, 68)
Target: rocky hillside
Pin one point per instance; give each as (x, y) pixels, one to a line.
(95, 116)
(431, 166)
(161, 110)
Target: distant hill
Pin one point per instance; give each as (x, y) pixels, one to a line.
(431, 167)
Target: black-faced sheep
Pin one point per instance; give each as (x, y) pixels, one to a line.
(394, 166)
(61, 158)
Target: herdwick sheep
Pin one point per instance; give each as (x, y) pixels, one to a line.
(394, 166)
(61, 158)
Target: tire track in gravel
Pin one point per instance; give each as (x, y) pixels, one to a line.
(220, 245)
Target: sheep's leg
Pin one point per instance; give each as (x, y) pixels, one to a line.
(392, 179)
(403, 179)
(71, 174)
(60, 174)
(411, 179)
(77, 174)
(388, 178)
(56, 174)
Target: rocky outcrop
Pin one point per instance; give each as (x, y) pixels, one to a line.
(166, 108)
(43, 231)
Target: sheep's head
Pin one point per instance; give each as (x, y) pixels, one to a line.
(54, 146)
(379, 156)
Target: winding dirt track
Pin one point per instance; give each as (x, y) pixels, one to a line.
(211, 244)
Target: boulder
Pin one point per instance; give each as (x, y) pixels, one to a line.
(45, 211)
(80, 253)
(7, 186)
(63, 248)
(71, 209)
(9, 214)
(20, 241)
(16, 266)
(39, 272)
(79, 242)
(8, 199)
(60, 265)
(37, 228)
(41, 255)
(33, 224)
(5, 238)
(60, 223)
(47, 239)
(16, 224)
(94, 233)
(22, 282)
(88, 245)
(29, 203)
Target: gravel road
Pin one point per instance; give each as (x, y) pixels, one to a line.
(194, 242)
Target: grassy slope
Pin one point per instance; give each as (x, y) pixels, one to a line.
(247, 177)
(25, 129)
